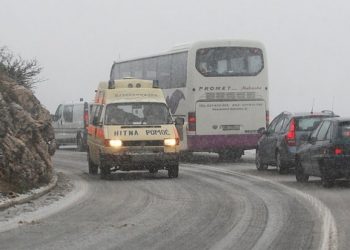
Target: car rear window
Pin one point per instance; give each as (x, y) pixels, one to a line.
(344, 130)
(308, 123)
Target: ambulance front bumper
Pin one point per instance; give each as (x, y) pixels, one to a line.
(141, 160)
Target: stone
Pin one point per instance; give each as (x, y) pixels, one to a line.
(26, 137)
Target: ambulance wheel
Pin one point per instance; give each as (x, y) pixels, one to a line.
(93, 168)
(173, 171)
(105, 170)
(105, 173)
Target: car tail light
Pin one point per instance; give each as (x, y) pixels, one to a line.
(338, 151)
(290, 136)
(191, 121)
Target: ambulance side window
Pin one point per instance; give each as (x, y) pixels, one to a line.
(92, 112)
(96, 114)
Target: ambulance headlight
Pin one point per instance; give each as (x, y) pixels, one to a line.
(115, 143)
(170, 142)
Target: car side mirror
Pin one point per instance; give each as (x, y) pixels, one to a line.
(312, 140)
(262, 131)
(179, 121)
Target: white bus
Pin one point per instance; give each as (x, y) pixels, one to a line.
(220, 88)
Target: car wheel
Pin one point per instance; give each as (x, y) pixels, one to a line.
(173, 171)
(327, 181)
(153, 170)
(80, 144)
(279, 166)
(300, 173)
(258, 162)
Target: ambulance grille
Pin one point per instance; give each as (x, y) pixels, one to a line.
(143, 143)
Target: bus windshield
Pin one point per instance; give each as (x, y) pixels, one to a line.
(229, 61)
(137, 113)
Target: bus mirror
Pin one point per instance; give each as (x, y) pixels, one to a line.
(179, 121)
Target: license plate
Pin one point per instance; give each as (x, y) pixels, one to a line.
(230, 127)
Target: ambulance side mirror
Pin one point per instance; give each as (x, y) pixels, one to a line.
(179, 121)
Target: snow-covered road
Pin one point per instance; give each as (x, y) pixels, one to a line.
(211, 205)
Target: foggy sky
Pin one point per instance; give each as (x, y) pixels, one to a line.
(307, 42)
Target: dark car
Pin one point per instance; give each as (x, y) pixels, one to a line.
(326, 153)
(278, 143)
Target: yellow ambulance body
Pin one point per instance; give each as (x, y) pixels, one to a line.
(131, 128)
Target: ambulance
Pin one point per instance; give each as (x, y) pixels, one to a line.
(131, 128)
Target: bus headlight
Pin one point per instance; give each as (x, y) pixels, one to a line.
(170, 142)
(115, 143)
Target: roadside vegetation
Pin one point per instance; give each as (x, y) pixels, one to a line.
(24, 72)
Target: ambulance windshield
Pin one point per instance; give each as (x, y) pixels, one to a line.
(139, 113)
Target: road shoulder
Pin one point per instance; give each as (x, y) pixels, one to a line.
(6, 202)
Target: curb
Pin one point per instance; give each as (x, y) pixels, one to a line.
(31, 195)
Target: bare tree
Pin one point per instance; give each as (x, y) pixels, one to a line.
(24, 72)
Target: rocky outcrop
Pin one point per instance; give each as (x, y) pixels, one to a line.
(26, 137)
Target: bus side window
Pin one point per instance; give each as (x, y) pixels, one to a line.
(178, 70)
(163, 71)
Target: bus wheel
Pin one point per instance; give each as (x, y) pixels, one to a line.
(173, 171)
(186, 156)
(229, 154)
